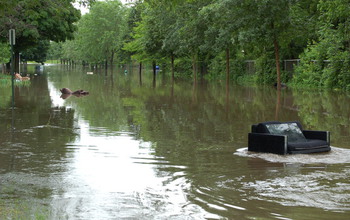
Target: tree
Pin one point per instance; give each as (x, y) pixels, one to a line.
(332, 45)
(223, 19)
(335, 32)
(169, 29)
(101, 32)
(55, 51)
(37, 20)
(71, 51)
(5, 55)
(266, 31)
(268, 24)
(38, 53)
(191, 30)
(133, 16)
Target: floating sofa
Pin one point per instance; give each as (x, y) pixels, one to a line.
(287, 138)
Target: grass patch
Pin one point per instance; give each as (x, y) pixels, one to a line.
(53, 61)
(5, 81)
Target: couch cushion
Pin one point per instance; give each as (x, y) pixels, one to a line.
(309, 144)
(291, 129)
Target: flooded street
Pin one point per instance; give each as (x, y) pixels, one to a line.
(142, 149)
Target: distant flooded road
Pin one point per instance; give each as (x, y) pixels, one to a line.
(143, 149)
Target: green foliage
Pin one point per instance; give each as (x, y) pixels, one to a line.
(71, 51)
(309, 71)
(217, 67)
(5, 83)
(36, 20)
(183, 68)
(304, 20)
(100, 34)
(154, 33)
(5, 53)
(38, 53)
(326, 62)
(5, 80)
(55, 51)
(265, 70)
(197, 33)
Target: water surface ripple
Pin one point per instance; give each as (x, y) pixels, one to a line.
(138, 148)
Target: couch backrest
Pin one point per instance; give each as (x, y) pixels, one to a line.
(298, 123)
(292, 129)
(262, 128)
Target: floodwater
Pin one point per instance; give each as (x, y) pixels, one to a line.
(143, 149)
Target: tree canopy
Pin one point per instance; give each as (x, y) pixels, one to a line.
(100, 34)
(267, 31)
(5, 53)
(209, 36)
(38, 20)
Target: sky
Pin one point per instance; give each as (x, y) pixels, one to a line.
(84, 10)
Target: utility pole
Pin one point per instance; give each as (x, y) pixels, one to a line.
(12, 38)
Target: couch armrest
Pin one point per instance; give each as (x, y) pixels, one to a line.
(268, 143)
(320, 135)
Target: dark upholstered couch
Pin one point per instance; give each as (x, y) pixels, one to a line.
(287, 138)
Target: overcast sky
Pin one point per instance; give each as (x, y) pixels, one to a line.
(85, 10)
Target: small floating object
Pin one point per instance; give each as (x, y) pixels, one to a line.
(90, 73)
(287, 138)
(68, 91)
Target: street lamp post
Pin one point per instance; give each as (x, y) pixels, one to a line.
(12, 38)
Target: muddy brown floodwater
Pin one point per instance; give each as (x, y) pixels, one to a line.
(142, 149)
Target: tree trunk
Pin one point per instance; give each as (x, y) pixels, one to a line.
(3, 67)
(154, 73)
(112, 58)
(172, 68)
(227, 80)
(203, 68)
(278, 68)
(140, 73)
(227, 65)
(16, 62)
(8, 66)
(278, 104)
(194, 67)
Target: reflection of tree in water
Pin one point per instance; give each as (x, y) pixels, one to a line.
(33, 138)
(37, 139)
(184, 126)
(325, 110)
(32, 155)
(201, 134)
